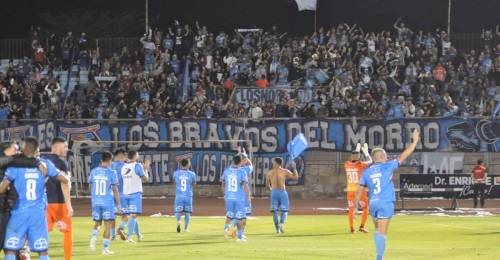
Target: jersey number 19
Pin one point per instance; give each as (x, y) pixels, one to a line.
(232, 184)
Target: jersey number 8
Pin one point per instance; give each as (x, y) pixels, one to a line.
(31, 189)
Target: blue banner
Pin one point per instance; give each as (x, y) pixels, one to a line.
(272, 136)
(269, 138)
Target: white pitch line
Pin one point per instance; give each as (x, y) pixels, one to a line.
(453, 226)
(331, 209)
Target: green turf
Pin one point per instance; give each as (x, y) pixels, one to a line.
(307, 237)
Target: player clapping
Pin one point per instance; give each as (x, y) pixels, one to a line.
(133, 174)
(353, 172)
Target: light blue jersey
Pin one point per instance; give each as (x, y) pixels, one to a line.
(378, 179)
(30, 186)
(117, 166)
(184, 180)
(102, 180)
(234, 178)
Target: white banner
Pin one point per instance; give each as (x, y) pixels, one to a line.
(441, 163)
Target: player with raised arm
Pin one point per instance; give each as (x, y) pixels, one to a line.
(28, 215)
(246, 165)
(117, 165)
(235, 188)
(276, 179)
(378, 179)
(133, 174)
(103, 184)
(353, 172)
(185, 180)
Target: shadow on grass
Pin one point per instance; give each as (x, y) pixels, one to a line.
(166, 244)
(483, 233)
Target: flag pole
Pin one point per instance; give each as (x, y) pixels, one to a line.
(316, 17)
(449, 16)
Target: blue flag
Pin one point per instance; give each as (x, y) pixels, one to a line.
(185, 81)
(297, 146)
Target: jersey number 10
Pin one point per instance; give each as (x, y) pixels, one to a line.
(100, 188)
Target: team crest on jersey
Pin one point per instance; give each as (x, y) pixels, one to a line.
(12, 242)
(41, 244)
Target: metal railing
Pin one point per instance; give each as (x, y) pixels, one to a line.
(17, 48)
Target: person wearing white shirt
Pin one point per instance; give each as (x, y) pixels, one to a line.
(255, 112)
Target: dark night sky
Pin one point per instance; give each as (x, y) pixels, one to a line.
(16, 16)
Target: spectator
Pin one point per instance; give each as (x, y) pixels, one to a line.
(255, 112)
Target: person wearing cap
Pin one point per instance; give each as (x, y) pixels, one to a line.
(479, 177)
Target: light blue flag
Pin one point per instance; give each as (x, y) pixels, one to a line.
(297, 146)
(185, 81)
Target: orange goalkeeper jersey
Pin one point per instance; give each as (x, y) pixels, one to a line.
(353, 172)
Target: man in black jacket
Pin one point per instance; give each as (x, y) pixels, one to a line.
(9, 158)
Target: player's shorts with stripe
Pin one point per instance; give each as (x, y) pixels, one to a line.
(103, 212)
(122, 202)
(235, 209)
(248, 207)
(57, 213)
(351, 199)
(183, 204)
(133, 203)
(30, 224)
(381, 209)
(279, 200)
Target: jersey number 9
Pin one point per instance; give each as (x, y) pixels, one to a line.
(183, 185)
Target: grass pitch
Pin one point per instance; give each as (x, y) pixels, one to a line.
(306, 237)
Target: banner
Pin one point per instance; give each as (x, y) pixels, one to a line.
(275, 95)
(441, 163)
(271, 136)
(208, 165)
(442, 185)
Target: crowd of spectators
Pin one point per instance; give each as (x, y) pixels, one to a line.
(190, 71)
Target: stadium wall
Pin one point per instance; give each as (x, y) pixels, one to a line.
(324, 176)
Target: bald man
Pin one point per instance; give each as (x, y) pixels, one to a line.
(378, 180)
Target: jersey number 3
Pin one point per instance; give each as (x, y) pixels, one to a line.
(376, 182)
